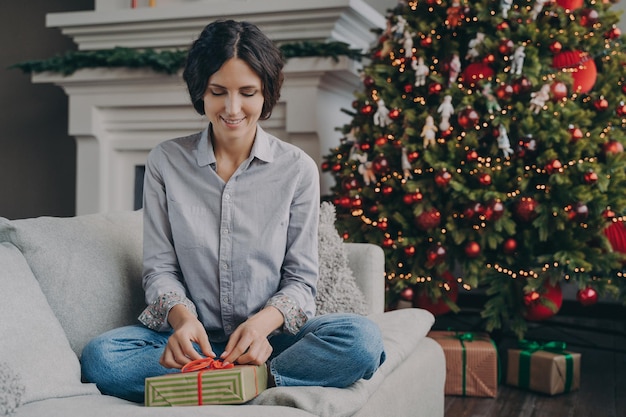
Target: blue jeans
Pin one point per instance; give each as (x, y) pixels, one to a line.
(333, 350)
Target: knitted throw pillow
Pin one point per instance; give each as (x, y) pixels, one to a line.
(337, 290)
(11, 390)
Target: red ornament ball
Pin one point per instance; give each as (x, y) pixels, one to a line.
(468, 118)
(412, 156)
(613, 33)
(579, 212)
(428, 220)
(589, 17)
(570, 4)
(581, 67)
(472, 249)
(522, 85)
(536, 310)
(435, 88)
(484, 179)
(505, 47)
(368, 81)
(587, 296)
(510, 246)
(450, 290)
(381, 164)
(553, 166)
(426, 41)
(558, 90)
(394, 114)
(367, 109)
(387, 190)
(388, 242)
(476, 72)
(556, 47)
(601, 104)
(576, 132)
(436, 254)
(504, 91)
(525, 209)
(471, 156)
(442, 178)
(350, 183)
(407, 294)
(494, 210)
(410, 250)
(612, 147)
(591, 177)
(620, 110)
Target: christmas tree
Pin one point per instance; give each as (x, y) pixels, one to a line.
(485, 153)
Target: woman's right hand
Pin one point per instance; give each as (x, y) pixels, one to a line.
(187, 330)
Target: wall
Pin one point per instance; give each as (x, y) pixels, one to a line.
(37, 157)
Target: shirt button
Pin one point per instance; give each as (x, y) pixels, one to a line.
(227, 196)
(225, 231)
(224, 266)
(225, 299)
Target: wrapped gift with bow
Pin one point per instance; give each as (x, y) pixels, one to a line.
(471, 363)
(206, 381)
(543, 367)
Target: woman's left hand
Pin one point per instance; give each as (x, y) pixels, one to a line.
(248, 344)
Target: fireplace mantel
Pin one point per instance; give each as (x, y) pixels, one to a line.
(118, 115)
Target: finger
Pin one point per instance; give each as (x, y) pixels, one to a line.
(205, 347)
(257, 354)
(240, 347)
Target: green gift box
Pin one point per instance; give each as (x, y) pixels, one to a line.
(210, 386)
(546, 368)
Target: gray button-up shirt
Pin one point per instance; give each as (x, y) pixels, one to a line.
(227, 249)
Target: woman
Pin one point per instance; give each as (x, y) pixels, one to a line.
(230, 241)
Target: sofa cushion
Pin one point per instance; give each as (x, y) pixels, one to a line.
(89, 268)
(337, 290)
(33, 344)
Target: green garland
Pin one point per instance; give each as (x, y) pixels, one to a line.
(166, 61)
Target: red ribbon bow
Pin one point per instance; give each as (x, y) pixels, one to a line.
(206, 364)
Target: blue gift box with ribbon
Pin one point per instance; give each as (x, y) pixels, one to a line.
(543, 367)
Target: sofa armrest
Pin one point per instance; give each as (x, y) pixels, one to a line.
(367, 262)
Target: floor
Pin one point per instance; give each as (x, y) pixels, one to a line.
(601, 339)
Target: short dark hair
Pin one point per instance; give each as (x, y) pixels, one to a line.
(225, 39)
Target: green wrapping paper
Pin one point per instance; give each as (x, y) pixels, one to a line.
(218, 386)
(546, 368)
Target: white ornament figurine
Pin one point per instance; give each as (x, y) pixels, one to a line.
(381, 117)
(505, 5)
(537, 8)
(472, 51)
(398, 28)
(421, 71)
(492, 104)
(408, 44)
(455, 68)
(429, 132)
(445, 110)
(365, 169)
(406, 165)
(503, 141)
(517, 60)
(539, 98)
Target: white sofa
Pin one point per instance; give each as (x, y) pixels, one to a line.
(65, 280)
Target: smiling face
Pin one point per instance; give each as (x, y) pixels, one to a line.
(233, 101)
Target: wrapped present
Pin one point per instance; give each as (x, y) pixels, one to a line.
(471, 363)
(206, 383)
(546, 368)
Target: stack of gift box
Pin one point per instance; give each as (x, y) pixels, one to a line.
(473, 365)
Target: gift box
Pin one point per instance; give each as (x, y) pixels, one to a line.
(546, 368)
(471, 363)
(235, 385)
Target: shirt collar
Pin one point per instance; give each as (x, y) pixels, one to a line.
(260, 148)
